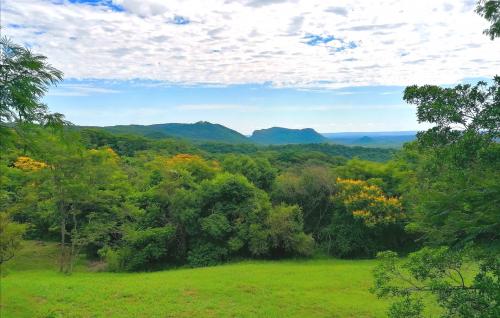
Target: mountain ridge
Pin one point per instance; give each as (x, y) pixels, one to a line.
(204, 131)
(199, 131)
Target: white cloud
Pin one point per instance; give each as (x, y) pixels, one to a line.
(79, 90)
(224, 42)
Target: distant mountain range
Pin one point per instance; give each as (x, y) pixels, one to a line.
(207, 132)
(388, 139)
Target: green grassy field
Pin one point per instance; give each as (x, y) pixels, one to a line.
(31, 287)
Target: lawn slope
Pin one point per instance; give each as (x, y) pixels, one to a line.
(314, 288)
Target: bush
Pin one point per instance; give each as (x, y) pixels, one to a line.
(11, 235)
(143, 249)
(206, 255)
(286, 232)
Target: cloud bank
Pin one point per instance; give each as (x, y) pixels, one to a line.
(302, 44)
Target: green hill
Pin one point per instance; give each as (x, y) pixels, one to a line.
(282, 136)
(32, 287)
(200, 131)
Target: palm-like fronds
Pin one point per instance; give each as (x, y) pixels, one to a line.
(25, 77)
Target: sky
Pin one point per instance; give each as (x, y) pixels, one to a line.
(334, 66)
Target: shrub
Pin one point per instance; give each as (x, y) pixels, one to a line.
(144, 249)
(206, 255)
(286, 232)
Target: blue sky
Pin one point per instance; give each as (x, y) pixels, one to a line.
(251, 64)
(240, 107)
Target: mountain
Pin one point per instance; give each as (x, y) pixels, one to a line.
(369, 134)
(392, 139)
(200, 131)
(282, 136)
(203, 131)
(364, 140)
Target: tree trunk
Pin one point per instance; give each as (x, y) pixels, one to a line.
(63, 240)
(74, 242)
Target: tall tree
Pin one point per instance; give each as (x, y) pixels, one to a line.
(24, 78)
(456, 200)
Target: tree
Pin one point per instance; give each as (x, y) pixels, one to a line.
(24, 78)
(457, 113)
(229, 219)
(490, 10)
(286, 232)
(142, 249)
(443, 273)
(364, 220)
(368, 203)
(258, 170)
(11, 234)
(310, 188)
(80, 193)
(456, 198)
(454, 201)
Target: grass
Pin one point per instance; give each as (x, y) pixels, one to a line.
(32, 287)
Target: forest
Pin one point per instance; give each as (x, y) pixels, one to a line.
(428, 213)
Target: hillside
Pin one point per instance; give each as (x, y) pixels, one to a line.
(313, 288)
(282, 136)
(200, 131)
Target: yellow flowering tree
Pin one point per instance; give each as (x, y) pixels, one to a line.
(364, 220)
(368, 202)
(196, 166)
(28, 164)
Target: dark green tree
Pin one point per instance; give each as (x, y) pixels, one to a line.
(443, 273)
(456, 198)
(258, 170)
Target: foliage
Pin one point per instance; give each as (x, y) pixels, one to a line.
(490, 10)
(368, 202)
(200, 131)
(232, 214)
(310, 188)
(457, 197)
(197, 167)
(461, 113)
(79, 193)
(364, 221)
(443, 273)
(144, 249)
(286, 232)
(452, 194)
(259, 171)
(24, 78)
(29, 164)
(11, 234)
(348, 218)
